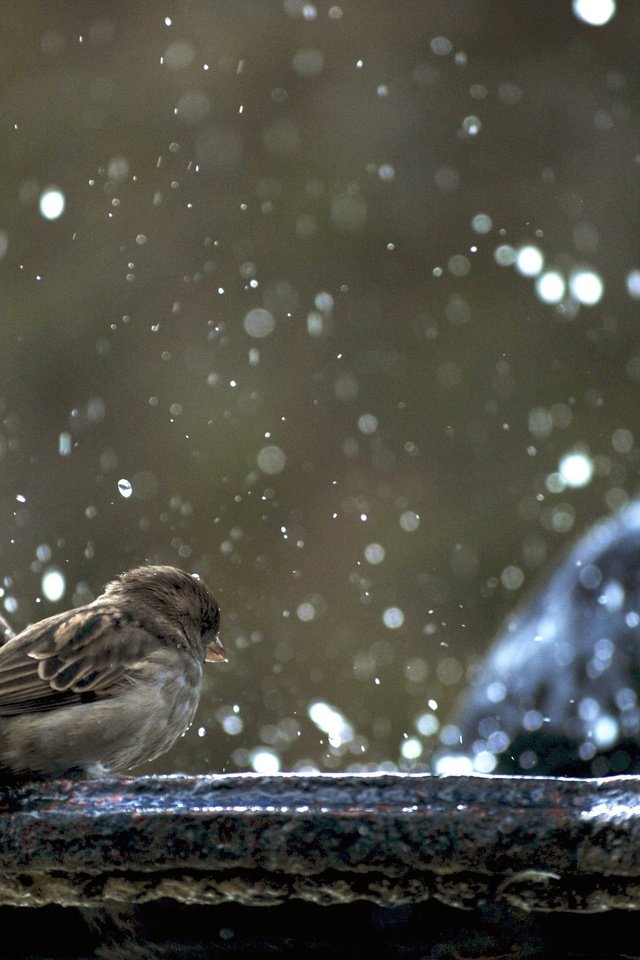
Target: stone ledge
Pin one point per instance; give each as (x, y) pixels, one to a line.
(534, 843)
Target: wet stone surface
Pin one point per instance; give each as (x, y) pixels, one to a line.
(533, 843)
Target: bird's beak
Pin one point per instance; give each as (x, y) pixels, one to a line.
(214, 652)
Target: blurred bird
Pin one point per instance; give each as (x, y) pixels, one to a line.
(559, 691)
(99, 689)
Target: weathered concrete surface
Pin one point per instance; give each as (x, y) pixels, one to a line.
(532, 843)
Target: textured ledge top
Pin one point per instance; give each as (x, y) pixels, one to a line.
(538, 843)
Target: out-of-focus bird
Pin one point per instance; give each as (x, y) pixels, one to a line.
(559, 690)
(101, 688)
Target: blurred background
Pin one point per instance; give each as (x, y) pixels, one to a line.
(333, 304)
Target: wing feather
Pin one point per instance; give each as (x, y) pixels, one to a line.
(85, 652)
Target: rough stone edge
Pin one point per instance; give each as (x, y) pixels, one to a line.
(551, 844)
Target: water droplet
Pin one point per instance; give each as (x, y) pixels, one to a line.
(368, 423)
(53, 584)
(393, 618)
(550, 287)
(471, 125)
(587, 287)
(482, 223)
(64, 444)
(409, 521)
(52, 203)
(265, 761)
(259, 323)
(529, 261)
(576, 469)
(271, 460)
(594, 12)
(124, 488)
(374, 553)
(505, 256)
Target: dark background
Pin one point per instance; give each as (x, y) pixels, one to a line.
(320, 162)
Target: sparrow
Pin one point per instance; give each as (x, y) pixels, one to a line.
(558, 692)
(105, 686)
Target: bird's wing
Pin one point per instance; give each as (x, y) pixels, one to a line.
(71, 657)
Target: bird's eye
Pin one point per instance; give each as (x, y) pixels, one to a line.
(210, 626)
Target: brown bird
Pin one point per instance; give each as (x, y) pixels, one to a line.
(101, 688)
